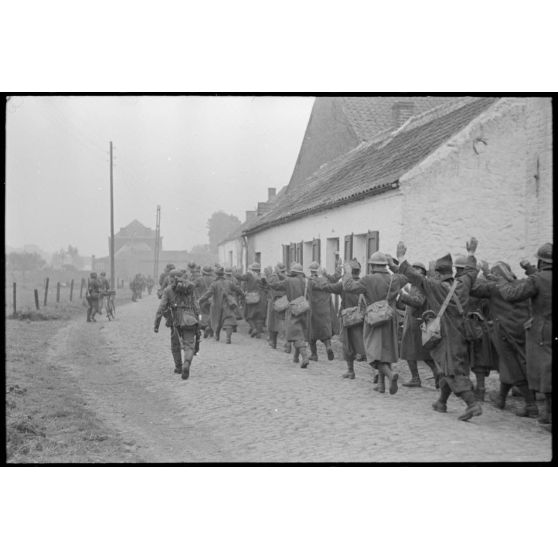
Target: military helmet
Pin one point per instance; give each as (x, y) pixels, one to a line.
(192, 265)
(314, 266)
(355, 265)
(228, 270)
(544, 253)
(175, 273)
(420, 265)
(378, 258)
(207, 270)
(219, 271)
(297, 268)
(461, 261)
(93, 275)
(281, 267)
(169, 267)
(103, 273)
(255, 266)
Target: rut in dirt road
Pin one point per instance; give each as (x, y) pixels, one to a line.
(247, 402)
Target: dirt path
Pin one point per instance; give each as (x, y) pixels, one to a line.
(247, 402)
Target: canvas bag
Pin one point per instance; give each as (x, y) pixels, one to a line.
(252, 297)
(380, 312)
(431, 332)
(300, 305)
(353, 315)
(184, 317)
(281, 304)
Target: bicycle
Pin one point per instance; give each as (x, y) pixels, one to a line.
(111, 309)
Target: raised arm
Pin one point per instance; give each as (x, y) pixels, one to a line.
(522, 289)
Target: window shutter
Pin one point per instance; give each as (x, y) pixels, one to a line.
(300, 251)
(316, 252)
(292, 253)
(372, 242)
(348, 255)
(286, 256)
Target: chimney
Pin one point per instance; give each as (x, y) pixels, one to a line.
(401, 111)
(271, 194)
(250, 215)
(262, 208)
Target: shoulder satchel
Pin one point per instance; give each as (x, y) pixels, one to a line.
(380, 312)
(281, 304)
(184, 317)
(353, 315)
(431, 332)
(472, 323)
(300, 305)
(252, 297)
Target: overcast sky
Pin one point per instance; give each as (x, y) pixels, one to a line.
(191, 155)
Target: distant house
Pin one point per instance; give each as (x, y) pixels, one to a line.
(134, 252)
(474, 166)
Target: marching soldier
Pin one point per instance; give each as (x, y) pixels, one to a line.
(351, 335)
(255, 299)
(150, 284)
(164, 279)
(222, 294)
(537, 288)
(321, 328)
(295, 286)
(179, 305)
(201, 287)
(104, 287)
(451, 352)
(275, 320)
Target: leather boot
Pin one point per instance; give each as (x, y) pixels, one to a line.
(350, 374)
(376, 376)
(499, 399)
(185, 370)
(330, 355)
(381, 387)
(287, 347)
(441, 404)
(530, 408)
(479, 391)
(546, 419)
(392, 377)
(273, 339)
(177, 356)
(473, 409)
(229, 332)
(304, 355)
(314, 351)
(296, 354)
(415, 378)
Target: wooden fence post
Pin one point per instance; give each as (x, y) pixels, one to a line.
(71, 290)
(81, 288)
(58, 291)
(15, 309)
(46, 291)
(36, 299)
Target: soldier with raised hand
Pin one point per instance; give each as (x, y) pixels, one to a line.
(537, 288)
(179, 304)
(294, 286)
(451, 353)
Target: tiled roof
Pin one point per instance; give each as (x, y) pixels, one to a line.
(373, 166)
(135, 228)
(370, 115)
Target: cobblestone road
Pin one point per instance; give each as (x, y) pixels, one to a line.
(247, 402)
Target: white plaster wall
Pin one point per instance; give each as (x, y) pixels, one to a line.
(223, 252)
(456, 193)
(378, 213)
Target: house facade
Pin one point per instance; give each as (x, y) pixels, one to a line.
(474, 166)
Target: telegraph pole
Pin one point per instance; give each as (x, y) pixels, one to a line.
(157, 242)
(111, 225)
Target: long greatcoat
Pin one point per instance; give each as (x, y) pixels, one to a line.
(451, 353)
(482, 353)
(254, 283)
(221, 314)
(508, 332)
(537, 288)
(202, 285)
(380, 342)
(321, 327)
(275, 320)
(293, 287)
(352, 337)
(411, 340)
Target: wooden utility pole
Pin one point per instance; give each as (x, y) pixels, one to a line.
(111, 224)
(71, 290)
(15, 309)
(157, 242)
(46, 291)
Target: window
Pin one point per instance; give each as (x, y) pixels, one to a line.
(230, 258)
(258, 257)
(316, 250)
(299, 247)
(286, 256)
(348, 253)
(372, 243)
(292, 253)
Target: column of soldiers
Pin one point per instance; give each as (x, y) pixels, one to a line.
(490, 320)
